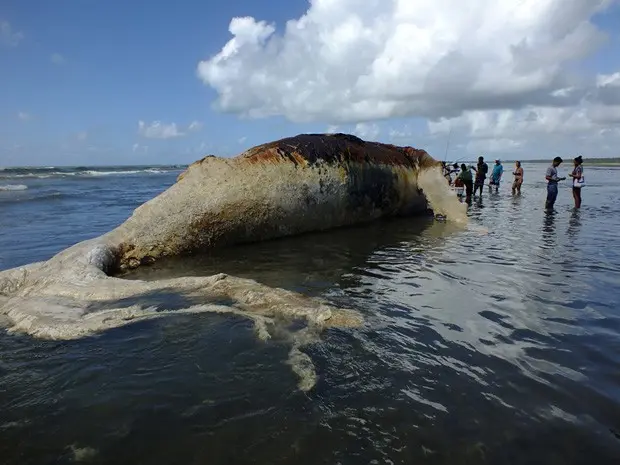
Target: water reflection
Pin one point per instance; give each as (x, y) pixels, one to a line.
(548, 230)
(574, 224)
(312, 263)
(478, 348)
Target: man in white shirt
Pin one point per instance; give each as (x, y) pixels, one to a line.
(552, 182)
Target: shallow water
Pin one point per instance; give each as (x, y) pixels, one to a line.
(478, 348)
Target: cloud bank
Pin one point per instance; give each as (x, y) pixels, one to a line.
(485, 67)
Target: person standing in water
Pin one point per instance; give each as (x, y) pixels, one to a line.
(518, 173)
(552, 182)
(481, 174)
(496, 175)
(446, 172)
(578, 180)
(466, 177)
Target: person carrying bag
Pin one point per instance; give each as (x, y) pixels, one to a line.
(578, 180)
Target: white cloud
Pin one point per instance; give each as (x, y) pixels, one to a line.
(403, 133)
(348, 61)
(158, 130)
(332, 129)
(8, 37)
(242, 139)
(598, 110)
(139, 148)
(23, 116)
(611, 80)
(194, 126)
(57, 59)
(503, 76)
(82, 135)
(586, 128)
(367, 131)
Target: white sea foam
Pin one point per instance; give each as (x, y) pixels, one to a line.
(13, 187)
(108, 173)
(38, 175)
(43, 173)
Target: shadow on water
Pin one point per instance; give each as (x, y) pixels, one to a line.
(479, 348)
(312, 263)
(548, 229)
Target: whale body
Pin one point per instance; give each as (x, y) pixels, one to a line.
(290, 186)
(309, 182)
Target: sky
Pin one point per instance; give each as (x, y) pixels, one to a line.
(92, 82)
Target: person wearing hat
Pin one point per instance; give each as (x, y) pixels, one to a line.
(467, 179)
(578, 180)
(496, 175)
(552, 182)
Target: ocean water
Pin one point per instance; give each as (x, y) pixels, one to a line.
(479, 348)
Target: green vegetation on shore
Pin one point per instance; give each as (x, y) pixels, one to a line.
(615, 161)
(586, 161)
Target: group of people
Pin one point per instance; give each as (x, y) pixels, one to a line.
(464, 180)
(552, 178)
(472, 183)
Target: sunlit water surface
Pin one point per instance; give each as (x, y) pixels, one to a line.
(499, 348)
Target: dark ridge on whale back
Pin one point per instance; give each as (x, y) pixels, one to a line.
(334, 148)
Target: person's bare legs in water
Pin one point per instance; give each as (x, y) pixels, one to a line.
(518, 174)
(576, 175)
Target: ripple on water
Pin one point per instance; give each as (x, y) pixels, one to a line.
(477, 348)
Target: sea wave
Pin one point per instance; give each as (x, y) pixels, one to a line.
(108, 173)
(85, 171)
(32, 197)
(13, 187)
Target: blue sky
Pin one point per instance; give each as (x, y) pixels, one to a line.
(122, 62)
(79, 75)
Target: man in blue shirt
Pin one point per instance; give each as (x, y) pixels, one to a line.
(496, 175)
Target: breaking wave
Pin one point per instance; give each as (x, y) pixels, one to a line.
(13, 187)
(85, 171)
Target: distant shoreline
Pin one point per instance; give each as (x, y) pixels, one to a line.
(610, 162)
(586, 162)
(600, 162)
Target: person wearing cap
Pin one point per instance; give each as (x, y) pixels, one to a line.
(466, 178)
(552, 182)
(446, 172)
(578, 180)
(496, 175)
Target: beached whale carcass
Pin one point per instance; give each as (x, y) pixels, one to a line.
(290, 186)
(294, 185)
